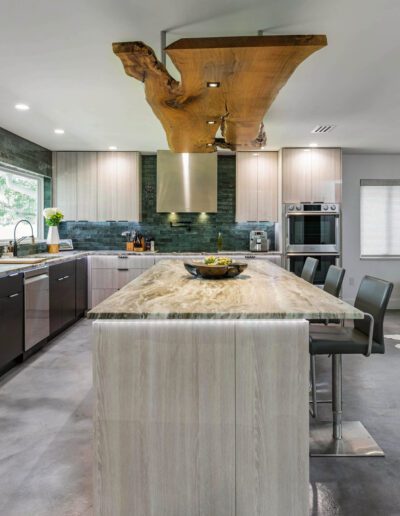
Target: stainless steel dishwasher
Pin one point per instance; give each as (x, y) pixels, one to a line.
(37, 322)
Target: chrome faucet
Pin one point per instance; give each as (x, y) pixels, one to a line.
(16, 242)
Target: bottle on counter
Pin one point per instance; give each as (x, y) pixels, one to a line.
(149, 244)
(219, 242)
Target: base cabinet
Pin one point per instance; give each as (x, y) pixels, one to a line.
(62, 295)
(110, 273)
(11, 319)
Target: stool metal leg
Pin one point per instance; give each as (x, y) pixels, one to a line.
(313, 387)
(337, 438)
(337, 396)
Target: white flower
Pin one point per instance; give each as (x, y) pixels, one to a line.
(49, 212)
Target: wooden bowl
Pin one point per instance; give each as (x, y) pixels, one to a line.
(200, 269)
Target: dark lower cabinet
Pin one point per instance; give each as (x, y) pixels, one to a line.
(81, 290)
(62, 295)
(11, 318)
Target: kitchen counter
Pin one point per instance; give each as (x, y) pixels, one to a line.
(6, 268)
(263, 291)
(201, 393)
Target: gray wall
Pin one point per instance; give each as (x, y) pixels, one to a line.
(355, 168)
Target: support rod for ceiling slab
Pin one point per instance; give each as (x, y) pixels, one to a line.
(163, 45)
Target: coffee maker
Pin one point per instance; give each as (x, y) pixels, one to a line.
(259, 241)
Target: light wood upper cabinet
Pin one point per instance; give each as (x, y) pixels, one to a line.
(267, 192)
(118, 186)
(65, 183)
(246, 186)
(256, 186)
(326, 172)
(296, 175)
(86, 175)
(311, 175)
(97, 186)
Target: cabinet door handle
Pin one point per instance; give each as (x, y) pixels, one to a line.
(119, 269)
(65, 277)
(13, 295)
(14, 274)
(60, 279)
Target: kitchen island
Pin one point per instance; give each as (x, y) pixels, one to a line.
(201, 390)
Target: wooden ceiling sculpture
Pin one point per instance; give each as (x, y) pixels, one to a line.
(226, 83)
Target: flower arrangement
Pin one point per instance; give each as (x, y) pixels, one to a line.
(53, 216)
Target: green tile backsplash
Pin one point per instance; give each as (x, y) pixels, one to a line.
(204, 227)
(22, 153)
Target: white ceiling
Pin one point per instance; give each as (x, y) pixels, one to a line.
(55, 55)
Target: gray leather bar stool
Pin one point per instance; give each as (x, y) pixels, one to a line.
(366, 337)
(333, 285)
(309, 269)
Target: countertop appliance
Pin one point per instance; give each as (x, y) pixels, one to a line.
(66, 244)
(312, 228)
(259, 241)
(37, 322)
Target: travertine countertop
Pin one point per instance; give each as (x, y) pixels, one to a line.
(262, 291)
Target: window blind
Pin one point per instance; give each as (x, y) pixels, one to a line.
(380, 217)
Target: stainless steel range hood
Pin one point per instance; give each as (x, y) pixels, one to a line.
(187, 182)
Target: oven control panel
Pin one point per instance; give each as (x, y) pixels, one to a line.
(312, 208)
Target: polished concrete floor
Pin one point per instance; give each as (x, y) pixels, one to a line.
(46, 431)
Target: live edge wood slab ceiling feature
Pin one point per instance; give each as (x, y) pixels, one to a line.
(263, 291)
(250, 71)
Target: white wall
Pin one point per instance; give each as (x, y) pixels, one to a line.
(356, 167)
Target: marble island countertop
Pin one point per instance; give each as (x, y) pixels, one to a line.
(263, 291)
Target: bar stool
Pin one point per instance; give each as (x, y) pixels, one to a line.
(309, 269)
(333, 285)
(366, 337)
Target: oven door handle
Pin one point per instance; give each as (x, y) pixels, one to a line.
(312, 214)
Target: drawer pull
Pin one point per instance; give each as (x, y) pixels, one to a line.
(60, 279)
(65, 277)
(14, 274)
(13, 295)
(119, 269)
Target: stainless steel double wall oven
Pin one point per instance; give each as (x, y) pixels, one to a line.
(312, 229)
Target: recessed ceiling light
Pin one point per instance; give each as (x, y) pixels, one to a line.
(22, 107)
(306, 150)
(211, 122)
(59, 131)
(313, 144)
(255, 153)
(213, 84)
(112, 147)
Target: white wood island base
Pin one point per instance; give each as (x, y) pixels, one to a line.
(201, 418)
(201, 393)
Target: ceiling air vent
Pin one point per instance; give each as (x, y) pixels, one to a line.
(326, 128)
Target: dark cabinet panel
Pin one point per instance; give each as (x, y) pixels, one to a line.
(81, 286)
(11, 319)
(62, 295)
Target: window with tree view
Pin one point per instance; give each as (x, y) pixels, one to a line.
(21, 197)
